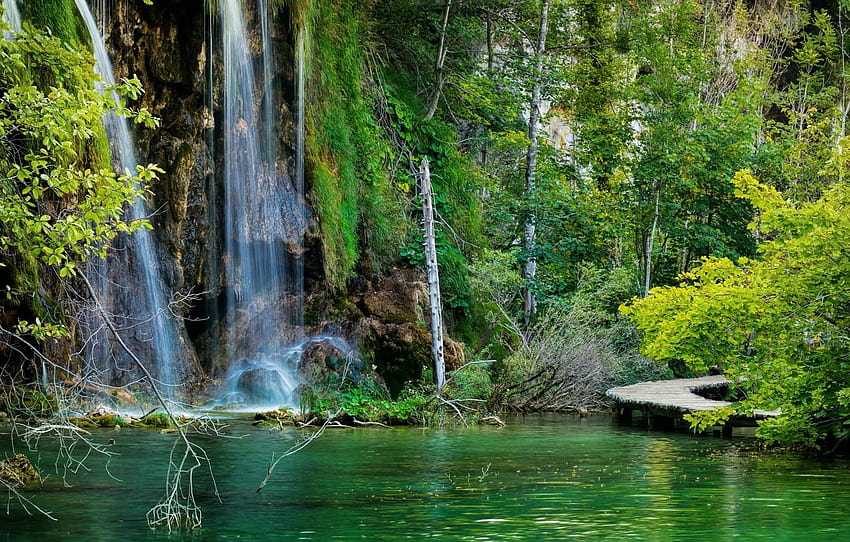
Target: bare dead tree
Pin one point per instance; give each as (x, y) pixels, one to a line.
(437, 355)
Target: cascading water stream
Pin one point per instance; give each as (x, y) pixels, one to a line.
(263, 223)
(12, 17)
(300, 145)
(149, 317)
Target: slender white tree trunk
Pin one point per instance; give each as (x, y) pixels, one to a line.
(442, 52)
(433, 275)
(529, 270)
(650, 244)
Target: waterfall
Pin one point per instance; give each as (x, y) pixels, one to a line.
(300, 93)
(263, 222)
(130, 283)
(12, 17)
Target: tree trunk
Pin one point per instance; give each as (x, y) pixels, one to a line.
(529, 270)
(650, 244)
(433, 276)
(442, 52)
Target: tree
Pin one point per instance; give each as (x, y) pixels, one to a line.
(529, 269)
(60, 201)
(779, 326)
(433, 275)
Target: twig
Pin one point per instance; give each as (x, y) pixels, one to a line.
(456, 409)
(295, 449)
(24, 502)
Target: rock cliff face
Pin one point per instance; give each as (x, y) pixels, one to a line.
(165, 47)
(385, 317)
(171, 47)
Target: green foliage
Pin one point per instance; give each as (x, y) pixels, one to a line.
(454, 182)
(705, 420)
(60, 202)
(359, 215)
(778, 325)
(27, 403)
(367, 401)
(470, 384)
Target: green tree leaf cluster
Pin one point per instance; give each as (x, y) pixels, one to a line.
(778, 325)
(61, 202)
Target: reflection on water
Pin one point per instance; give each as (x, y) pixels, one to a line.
(541, 478)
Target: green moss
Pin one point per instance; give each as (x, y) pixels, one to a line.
(109, 420)
(351, 190)
(158, 420)
(59, 17)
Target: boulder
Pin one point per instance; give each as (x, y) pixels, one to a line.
(18, 471)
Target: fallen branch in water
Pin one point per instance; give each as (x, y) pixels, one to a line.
(295, 449)
(338, 425)
(493, 420)
(379, 424)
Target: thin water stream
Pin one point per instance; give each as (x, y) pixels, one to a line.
(12, 17)
(539, 478)
(130, 283)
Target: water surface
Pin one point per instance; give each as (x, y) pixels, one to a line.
(539, 478)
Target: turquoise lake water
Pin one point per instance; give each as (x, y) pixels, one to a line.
(539, 478)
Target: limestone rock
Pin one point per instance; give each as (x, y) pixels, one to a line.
(18, 471)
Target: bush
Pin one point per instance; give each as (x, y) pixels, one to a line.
(569, 360)
(367, 401)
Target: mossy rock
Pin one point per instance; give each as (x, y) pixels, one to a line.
(157, 420)
(83, 423)
(18, 471)
(108, 420)
(276, 418)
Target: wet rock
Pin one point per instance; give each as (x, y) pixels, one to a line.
(274, 196)
(397, 298)
(385, 318)
(18, 471)
(262, 381)
(323, 357)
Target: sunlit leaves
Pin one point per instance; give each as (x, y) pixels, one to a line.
(780, 325)
(61, 203)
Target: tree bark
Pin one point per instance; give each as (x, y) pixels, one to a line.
(433, 276)
(650, 244)
(442, 52)
(529, 269)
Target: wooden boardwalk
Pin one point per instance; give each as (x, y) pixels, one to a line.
(672, 399)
